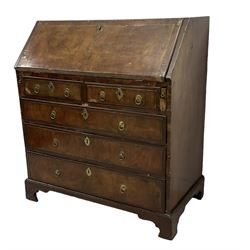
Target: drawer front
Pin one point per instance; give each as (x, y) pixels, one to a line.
(52, 89)
(135, 126)
(138, 157)
(124, 96)
(137, 191)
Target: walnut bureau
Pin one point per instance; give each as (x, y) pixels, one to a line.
(113, 112)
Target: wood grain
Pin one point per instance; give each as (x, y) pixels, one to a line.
(136, 157)
(149, 97)
(188, 89)
(51, 89)
(124, 48)
(98, 142)
(104, 183)
(136, 126)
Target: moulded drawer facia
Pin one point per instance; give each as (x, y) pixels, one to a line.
(136, 126)
(124, 96)
(137, 191)
(51, 89)
(136, 156)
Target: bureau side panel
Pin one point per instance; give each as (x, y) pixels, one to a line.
(188, 91)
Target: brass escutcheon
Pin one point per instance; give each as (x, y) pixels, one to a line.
(67, 92)
(55, 142)
(121, 125)
(57, 172)
(37, 89)
(87, 141)
(121, 155)
(163, 93)
(123, 188)
(163, 103)
(51, 86)
(138, 99)
(119, 94)
(53, 115)
(85, 114)
(99, 28)
(102, 95)
(88, 172)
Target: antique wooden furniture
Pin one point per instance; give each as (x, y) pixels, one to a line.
(113, 112)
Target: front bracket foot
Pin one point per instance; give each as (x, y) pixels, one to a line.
(31, 190)
(167, 224)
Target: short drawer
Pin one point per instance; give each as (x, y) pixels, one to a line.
(106, 121)
(124, 96)
(135, 156)
(134, 190)
(51, 89)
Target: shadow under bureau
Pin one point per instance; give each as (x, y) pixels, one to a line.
(113, 112)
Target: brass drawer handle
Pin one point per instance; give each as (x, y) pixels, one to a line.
(88, 172)
(57, 172)
(102, 95)
(67, 93)
(85, 114)
(121, 155)
(138, 100)
(51, 86)
(55, 142)
(123, 188)
(53, 115)
(119, 94)
(87, 141)
(37, 89)
(121, 125)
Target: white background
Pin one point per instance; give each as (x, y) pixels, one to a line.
(220, 221)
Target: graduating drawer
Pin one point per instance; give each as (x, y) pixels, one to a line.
(124, 96)
(51, 89)
(137, 191)
(135, 156)
(106, 121)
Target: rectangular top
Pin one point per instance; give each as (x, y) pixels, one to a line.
(135, 49)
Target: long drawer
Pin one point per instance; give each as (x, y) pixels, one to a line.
(135, 156)
(145, 127)
(90, 179)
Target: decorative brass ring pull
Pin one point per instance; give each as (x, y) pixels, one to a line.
(102, 95)
(87, 141)
(57, 172)
(121, 125)
(37, 89)
(51, 86)
(119, 94)
(123, 188)
(53, 115)
(138, 100)
(121, 155)
(85, 114)
(67, 93)
(88, 172)
(55, 142)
